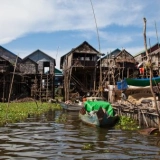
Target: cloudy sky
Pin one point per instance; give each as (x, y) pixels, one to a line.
(57, 26)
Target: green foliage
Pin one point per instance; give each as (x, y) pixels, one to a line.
(87, 146)
(17, 112)
(126, 123)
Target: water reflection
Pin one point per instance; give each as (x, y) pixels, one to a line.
(45, 138)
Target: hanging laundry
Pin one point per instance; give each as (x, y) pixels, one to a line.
(141, 70)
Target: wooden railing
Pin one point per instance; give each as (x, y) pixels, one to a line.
(82, 63)
(125, 60)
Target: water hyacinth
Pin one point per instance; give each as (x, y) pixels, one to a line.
(126, 123)
(17, 112)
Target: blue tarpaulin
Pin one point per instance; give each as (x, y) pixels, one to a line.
(122, 85)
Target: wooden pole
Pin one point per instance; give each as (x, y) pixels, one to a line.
(47, 89)
(4, 83)
(158, 45)
(11, 86)
(157, 34)
(149, 66)
(40, 94)
(100, 67)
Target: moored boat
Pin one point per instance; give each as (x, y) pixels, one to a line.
(77, 105)
(70, 106)
(142, 81)
(98, 113)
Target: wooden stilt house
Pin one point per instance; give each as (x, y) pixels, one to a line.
(79, 69)
(116, 66)
(38, 71)
(7, 64)
(154, 54)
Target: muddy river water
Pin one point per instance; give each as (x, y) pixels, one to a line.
(68, 138)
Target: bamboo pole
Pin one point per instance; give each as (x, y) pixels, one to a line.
(100, 67)
(4, 83)
(40, 94)
(11, 86)
(66, 80)
(157, 34)
(150, 72)
(47, 89)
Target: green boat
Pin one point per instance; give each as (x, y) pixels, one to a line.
(98, 113)
(142, 82)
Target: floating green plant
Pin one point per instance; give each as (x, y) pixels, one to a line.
(126, 123)
(17, 112)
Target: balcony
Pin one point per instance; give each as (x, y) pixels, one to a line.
(125, 60)
(83, 63)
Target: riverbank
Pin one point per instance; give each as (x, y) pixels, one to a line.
(20, 110)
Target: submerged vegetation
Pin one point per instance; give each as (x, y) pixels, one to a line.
(17, 112)
(61, 119)
(87, 146)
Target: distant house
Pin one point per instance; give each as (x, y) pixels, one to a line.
(38, 70)
(46, 64)
(119, 64)
(116, 66)
(8, 62)
(154, 53)
(9, 56)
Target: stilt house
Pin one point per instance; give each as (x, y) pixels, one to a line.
(118, 65)
(38, 71)
(79, 69)
(7, 64)
(154, 53)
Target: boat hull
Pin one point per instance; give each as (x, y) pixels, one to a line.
(142, 81)
(71, 107)
(98, 119)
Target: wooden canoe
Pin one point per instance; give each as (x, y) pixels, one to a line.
(100, 117)
(71, 107)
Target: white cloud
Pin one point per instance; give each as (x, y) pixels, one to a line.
(116, 38)
(135, 50)
(20, 17)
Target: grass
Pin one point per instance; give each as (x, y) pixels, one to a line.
(17, 112)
